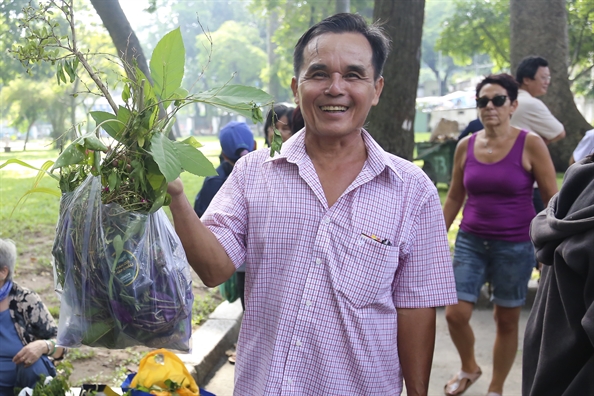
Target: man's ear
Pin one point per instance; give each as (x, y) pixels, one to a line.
(294, 89)
(379, 86)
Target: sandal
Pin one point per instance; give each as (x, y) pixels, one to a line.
(461, 382)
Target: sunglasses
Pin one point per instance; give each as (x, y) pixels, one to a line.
(498, 101)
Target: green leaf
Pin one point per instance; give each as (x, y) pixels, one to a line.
(126, 93)
(192, 142)
(193, 161)
(160, 196)
(97, 331)
(156, 181)
(239, 99)
(52, 191)
(113, 128)
(44, 167)
(71, 155)
(90, 142)
(76, 153)
(118, 245)
(112, 181)
(123, 114)
(165, 156)
(150, 100)
(70, 71)
(167, 64)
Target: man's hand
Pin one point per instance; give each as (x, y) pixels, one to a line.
(416, 340)
(175, 188)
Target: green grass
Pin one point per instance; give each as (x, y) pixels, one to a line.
(203, 306)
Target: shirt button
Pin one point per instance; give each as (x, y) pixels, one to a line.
(289, 381)
(298, 343)
(327, 220)
(318, 261)
(308, 303)
(361, 241)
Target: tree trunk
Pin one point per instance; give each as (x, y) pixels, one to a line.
(343, 6)
(122, 35)
(391, 122)
(541, 29)
(125, 41)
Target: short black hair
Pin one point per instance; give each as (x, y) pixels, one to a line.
(528, 67)
(277, 112)
(504, 80)
(347, 23)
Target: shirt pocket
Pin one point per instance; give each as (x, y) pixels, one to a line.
(367, 271)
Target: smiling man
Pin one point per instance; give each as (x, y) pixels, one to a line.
(345, 245)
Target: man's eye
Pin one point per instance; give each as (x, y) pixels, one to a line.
(318, 75)
(352, 75)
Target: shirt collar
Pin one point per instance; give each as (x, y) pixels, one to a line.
(293, 151)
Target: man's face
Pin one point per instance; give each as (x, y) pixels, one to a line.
(335, 87)
(540, 84)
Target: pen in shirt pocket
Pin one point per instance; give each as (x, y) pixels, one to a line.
(383, 241)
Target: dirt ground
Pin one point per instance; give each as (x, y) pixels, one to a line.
(90, 365)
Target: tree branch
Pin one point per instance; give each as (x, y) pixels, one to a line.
(580, 74)
(495, 43)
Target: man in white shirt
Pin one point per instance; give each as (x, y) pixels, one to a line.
(533, 76)
(584, 148)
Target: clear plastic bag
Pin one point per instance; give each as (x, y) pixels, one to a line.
(123, 276)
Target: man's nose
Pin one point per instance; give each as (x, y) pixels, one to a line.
(336, 85)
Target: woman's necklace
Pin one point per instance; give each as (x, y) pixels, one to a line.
(489, 149)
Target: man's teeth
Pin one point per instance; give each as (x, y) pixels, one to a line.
(334, 108)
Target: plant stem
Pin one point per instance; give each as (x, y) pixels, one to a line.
(83, 61)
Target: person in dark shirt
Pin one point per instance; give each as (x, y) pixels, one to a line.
(236, 141)
(472, 127)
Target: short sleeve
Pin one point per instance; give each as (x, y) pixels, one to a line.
(585, 147)
(535, 116)
(226, 215)
(425, 276)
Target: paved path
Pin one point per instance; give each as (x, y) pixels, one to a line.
(445, 360)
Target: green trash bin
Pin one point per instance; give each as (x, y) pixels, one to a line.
(438, 159)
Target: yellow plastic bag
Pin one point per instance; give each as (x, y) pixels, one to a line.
(159, 366)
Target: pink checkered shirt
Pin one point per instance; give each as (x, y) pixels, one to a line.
(321, 288)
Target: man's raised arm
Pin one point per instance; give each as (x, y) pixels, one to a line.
(204, 252)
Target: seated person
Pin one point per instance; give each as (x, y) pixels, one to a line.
(27, 330)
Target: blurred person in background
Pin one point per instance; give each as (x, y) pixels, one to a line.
(534, 77)
(27, 330)
(584, 148)
(297, 122)
(495, 168)
(278, 117)
(558, 356)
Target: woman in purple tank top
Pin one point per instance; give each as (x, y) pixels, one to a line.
(494, 170)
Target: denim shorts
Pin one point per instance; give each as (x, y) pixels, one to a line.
(506, 266)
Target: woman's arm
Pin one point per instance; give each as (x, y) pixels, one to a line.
(542, 167)
(457, 192)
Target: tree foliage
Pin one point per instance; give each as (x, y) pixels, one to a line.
(292, 18)
(483, 27)
(236, 53)
(477, 27)
(441, 65)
